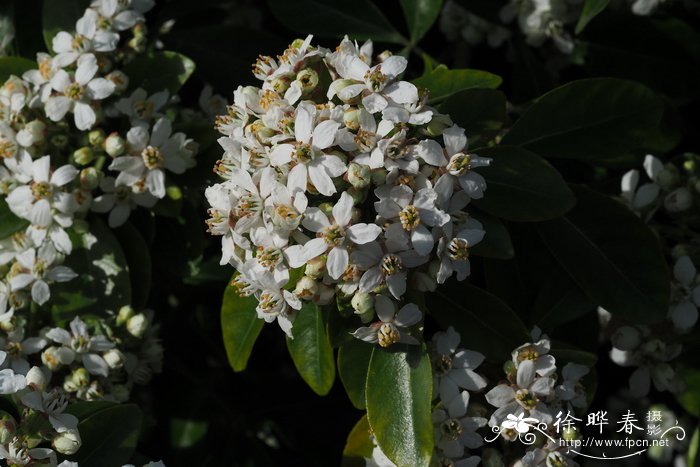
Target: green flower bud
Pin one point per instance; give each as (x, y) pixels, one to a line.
(36, 379)
(325, 295)
(362, 303)
(83, 156)
(358, 194)
(315, 267)
(359, 175)
(37, 129)
(80, 377)
(90, 178)
(120, 80)
(115, 145)
(308, 79)
(124, 314)
(379, 177)
(59, 141)
(114, 358)
(351, 118)
(306, 288)
(669, 177)
(326, 208)
(438, 124)
(120, 392)
(67, 442)
(96, 138)
(8, 426)
(137, 325)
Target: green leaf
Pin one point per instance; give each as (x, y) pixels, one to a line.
(599, 120)
(14, 66)
(486, 323)
(693, 458)
(442, 82)
(311, 350)
(399, 395)
(103, 283)
(61, 15)
(559, 301)
(496, 243)
(138, 258)
(109, 436)
(690, 397)
(420, 16)
(359, 444)
(185, 433)
(9, 223)
(353, 363)
(612, 256)
(481, 112)
(359, 19)
(159, 70)
(522, 186)
(240, 326)
(83, 409)
(591, 9)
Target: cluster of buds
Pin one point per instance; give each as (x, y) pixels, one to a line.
(342, 184)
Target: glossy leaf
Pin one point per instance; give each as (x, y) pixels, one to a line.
(14, 66)
(481, 112)
(483, 320)
(9, 223)
(138, 258)
(109, 436)
(591, 9)
(159, 70)
(61, 15)
(240, 326)
(420, 16)
(612, 256)
(311, 350)
(596, 120)
(353, 362)
(559, 301)
(358, 445)
(443, 82)
(360, 19)
(522, 186)
(496, 243)
(399, 394)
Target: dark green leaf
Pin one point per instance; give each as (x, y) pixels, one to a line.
(591, 9)
(522, 186)
(496, 243)
(481, 112)
(486, 323)
(186, 433)
(311, 350)
(359, 444)
(690, 397)
(240, 326)
(102, 285)
(138, 258)
(597, 120)
(159, 70)
(612, 256)
(61, 15)
(14, 66)
(399, 397)
(83, 409)
(353, 362)
(420, 16)
(109, 436)
(442, 82)
(559, 301)
(9, 223)
(360, 19)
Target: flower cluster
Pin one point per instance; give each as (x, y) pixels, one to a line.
(341, 183)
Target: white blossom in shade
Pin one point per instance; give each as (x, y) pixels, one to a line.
(142, 108)
(454, 253)
(312, 139)
(645, 7)
(335, 235)
(461, 164)
(41, 76)
(571, 390)
(15, 453)
(686, 295)
(18, 348)
(274, 303)
(382, 266)
(86, 39)
(116, 15)
(639, 197)
(10, 382)
(552, 453)
(526, 396)
(413, 212)
(453, 368)
(392, 327)
(537, 354)
(35, 268)
(150, 155)
(77, 93)
(119, 201)
(83, 347)
(52, 403)
(454, 430)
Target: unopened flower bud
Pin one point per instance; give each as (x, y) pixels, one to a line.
(137, 325)
(626, 338)
(114, 358)
(35, 131)
(438, 124)
(120, 80)
(362, 302)
(509, 368)
(308, 79)
(83, 156)
(124, 314)
(359, 175)
(306, 288)
(67, 442)
(115, 145)
(96, 138)
(315, 267)
(684, 316)
(678, 200)
(679, 251)
(326, 208)
(51, 358)
(36, 379)
(59, 141)
(341, 84)
(80, 377)
(384, 55)
(325, 295)
(351, 118)
(89, 178)
(8, 426)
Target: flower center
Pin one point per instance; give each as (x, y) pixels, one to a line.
(270, 302)
(75, 91)
(375, 78)
(459, 164)
(248, 205)
(388, 334)
(390, 265)
(243, 288)
(451, 429)
(333, 235)
(303, 153)
(365, 140)
(526, 399)
(79, 43)
(152, 157)
(7, 148)
(79, 344)
(122, 193)
(458, 249)
(269, 257)
(286, 216)
(528, 353)
(45, 69)
(442, 364)
(41, 190)
(410, 217)
(143, 108)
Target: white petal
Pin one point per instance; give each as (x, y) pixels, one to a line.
(84, 116)
(324, 134)
(360, 234)
(337, 262)
(342, 211)
(40, 292)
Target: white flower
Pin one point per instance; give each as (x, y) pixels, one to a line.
(140, 107)
(684, 313)
(83, 346)
(87, 38)
(35, 269)
(526, 396)
(53, 404)
(76, 93)
(392, 327)
(570, 390)
(454, 430)
(274, 303)
(10, 382)
(639, 197)
(454, 368)
(119, 201)
(461, 164)
(385, 266)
